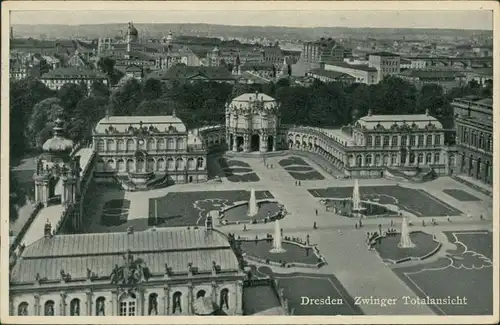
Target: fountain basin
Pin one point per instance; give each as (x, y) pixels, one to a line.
(425, 247)
(295, 254)
(344, 207)
(238, 213)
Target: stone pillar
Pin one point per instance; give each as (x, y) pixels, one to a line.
(246, 143)
(274, 142)
(166, 301)
(407, 158)
(238, 298)
(115, 303)
(190, 307)
(235, 146)
(140, 302)
(215, 289)
(263, 142)
(89, 303)
(36, 306)
(62, 305)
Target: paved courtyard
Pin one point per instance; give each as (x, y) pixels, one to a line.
(361, 272)
(467, 272)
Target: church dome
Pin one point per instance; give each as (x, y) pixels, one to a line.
(58, 143)
(132, 30)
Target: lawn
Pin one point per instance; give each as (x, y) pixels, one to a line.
(461, 195)
(299, 169)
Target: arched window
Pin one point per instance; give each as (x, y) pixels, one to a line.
(130, 145)
(150, 145)
(386, 141)
(437, 158)
(437, 139)
(368, 160)
(177, 302)
(394, 160)
(127, 305)
(377, 160)
(99, 146)
(377, 141)
(420, 141)
(180, 164)
(22, 309)
(141, 165)
(170, 144)
(130, 165)
(110, 165)
(100, 306)
(359, 161)
(48, 309)
(180, 143)
(121, 145)
(153, 304)
(481, 141)
(200, 294)
(161, 144)
(452, 160)
(428, 158)
(412, 158)
(191, 164)
(120, 165)
(420, 158)
(394, 141)
(224, 299)
(369, 141)
(412, 140)
(74, 307)
(160, 164)
(170, 164)
(150, 165)
(110, 144)
(200, 163)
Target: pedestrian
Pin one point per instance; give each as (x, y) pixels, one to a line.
(392, 222)
(245, 227)
(481, 217)
(356, 225)
(314, 225)
(360, 224)
(448, 218)
(423, 223)
(316, 210)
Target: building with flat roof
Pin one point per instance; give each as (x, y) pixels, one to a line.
(56, 78)
(362, 73)
(323, 50)
(387, 64)
(474, 138)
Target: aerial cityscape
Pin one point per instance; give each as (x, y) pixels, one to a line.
(209, 169)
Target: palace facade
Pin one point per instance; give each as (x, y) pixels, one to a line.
(138, 149)
(474, 138)
(170, 271)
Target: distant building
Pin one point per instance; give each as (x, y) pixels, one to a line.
(387, 64)
(184, 73)
(483, 51)
(447, 79)
(331, 76)
(323, 50)
(483, 76)
(361, 73)
(474, 137)
(138, 149)
(56, 78)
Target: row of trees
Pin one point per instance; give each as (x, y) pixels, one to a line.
(34, 107)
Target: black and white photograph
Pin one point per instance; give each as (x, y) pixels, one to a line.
(249, 159)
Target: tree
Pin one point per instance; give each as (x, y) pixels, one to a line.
(127, 98)
(431, 98)
(153, 107)
(99, 89)
(153, 89)
(40, 124)
(70, 94)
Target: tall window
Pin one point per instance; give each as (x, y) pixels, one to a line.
(473, 138)
(428, 158)
(466, 136)
(127, 308)
(437, 139)
(412, 158)
(177, 302)
(224, 299)
(481, 141)
(412, 140)
(153, 304)
(490, 143)
(428, 140)
(394, 141)
(404, 139)
(22, 309)
(386, 141)
(49, 308)
(111, 145)
(369, 141)
(420, 158)
(130, 145)
(377, 141)
(74, 307)
(100, 145)
(394, 160)
(437, 157)
(121, 145)
(421, 141)
(368, 160)
(200, 162)
(100, 308)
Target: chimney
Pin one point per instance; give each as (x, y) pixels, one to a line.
(47, 232)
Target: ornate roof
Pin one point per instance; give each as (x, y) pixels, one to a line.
(140, 124)
(403, 121)
(172, 249)
(253, 103)
(58, 143)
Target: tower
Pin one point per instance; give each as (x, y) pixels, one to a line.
(214, 60)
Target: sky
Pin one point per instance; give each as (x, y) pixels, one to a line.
(471, 19)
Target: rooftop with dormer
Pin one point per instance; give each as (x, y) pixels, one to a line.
(399, 121)
(137, 124)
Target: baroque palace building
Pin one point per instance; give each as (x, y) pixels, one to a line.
(474, 125)
(169, 271)
(141, 149)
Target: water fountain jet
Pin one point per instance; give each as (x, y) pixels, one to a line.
(405, 241)
(253, 208)
(277, 239)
